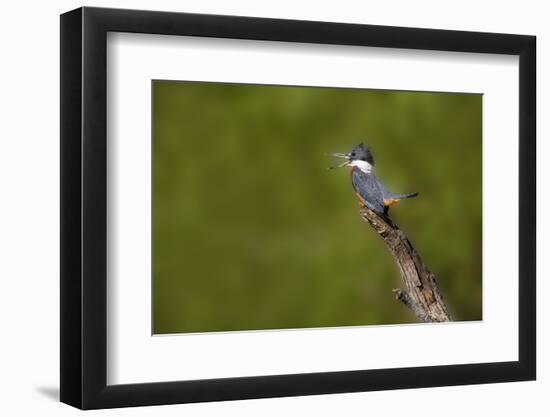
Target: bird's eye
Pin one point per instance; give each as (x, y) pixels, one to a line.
(353, 154)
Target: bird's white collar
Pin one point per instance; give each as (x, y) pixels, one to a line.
(362, 165)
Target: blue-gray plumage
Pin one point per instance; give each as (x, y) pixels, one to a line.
(369, 189)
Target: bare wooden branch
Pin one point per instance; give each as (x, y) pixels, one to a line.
(422, 295)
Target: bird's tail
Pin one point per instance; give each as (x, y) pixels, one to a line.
(402, 196)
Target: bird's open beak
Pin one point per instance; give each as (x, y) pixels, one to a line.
(340, 155)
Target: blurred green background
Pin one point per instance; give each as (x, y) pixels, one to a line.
(251, 231)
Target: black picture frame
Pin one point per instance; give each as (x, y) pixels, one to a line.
(84, 207)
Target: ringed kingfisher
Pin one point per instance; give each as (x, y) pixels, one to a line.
(368, 188)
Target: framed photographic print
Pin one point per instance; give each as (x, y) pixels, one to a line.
(258, 208)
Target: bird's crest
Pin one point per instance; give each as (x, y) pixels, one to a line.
(362, 153)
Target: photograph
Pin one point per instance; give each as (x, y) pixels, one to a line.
(303, 207)
(268, 209)
(265, 206)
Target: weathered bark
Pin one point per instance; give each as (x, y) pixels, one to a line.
(422, 294)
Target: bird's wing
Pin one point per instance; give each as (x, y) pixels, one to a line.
(367, 187)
